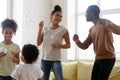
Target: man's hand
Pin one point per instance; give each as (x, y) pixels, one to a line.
(76, 38)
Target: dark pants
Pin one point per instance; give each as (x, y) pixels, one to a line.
(102, 69)
(5, 78)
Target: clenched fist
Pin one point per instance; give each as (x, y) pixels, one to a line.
(76, 38)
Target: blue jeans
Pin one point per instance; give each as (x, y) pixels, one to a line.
(5, 78)
(55, 66)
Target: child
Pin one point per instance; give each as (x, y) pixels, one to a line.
(9, 51)
(29, 70)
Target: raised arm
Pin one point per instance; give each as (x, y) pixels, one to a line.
(111, 26)
(83, 45)
(115, 28)
(40, 33)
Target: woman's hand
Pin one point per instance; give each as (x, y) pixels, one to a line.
(76, 38)
(40, 33)
(55, 46)
(41, 25)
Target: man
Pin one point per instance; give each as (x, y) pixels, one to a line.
(100, 35)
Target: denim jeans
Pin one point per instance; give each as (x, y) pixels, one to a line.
(55, 66)
(5, 78)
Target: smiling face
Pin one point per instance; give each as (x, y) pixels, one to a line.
(56, 17)
(7, 33)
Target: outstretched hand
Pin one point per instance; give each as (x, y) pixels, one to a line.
(76, 38)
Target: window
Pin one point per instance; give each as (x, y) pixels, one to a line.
(3, 13)
(3, 9)
(79, 25)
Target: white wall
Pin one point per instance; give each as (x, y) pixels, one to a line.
(17, 15)
(33, 12)
(28, 13)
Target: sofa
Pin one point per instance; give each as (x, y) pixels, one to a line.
(81, 70)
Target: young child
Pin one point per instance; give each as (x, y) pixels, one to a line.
(9, 51)
(29, 70)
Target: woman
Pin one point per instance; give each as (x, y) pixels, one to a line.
(51, 39)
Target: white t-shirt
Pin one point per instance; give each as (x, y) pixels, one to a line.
(27, 72)
(52, 37)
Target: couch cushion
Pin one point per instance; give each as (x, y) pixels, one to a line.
(84, 70)
(115, 74)
(70, 70)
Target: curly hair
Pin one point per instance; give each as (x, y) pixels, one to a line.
(30, 53)
(9, 23)
(57, 8)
